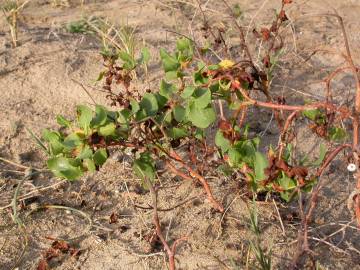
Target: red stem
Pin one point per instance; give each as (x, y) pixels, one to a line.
(194, 174)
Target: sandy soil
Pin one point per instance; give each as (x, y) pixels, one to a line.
(37, 83)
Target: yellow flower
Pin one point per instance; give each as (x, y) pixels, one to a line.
(226, 63)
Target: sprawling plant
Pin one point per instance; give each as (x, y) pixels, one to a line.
(170, 125)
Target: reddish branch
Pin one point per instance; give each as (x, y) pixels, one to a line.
(330, 157)
(193, 174)
(170, 250)
(303, 245)
(357, 111)
(287, 124)
(241, 32)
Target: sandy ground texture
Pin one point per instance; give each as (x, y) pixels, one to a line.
(37, 82)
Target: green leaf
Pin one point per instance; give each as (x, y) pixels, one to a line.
(101, 76)
(164, 118)
(309, 184)
(85, 115)
(64, 167)
(202, 97)
(143, 167)
(172, 75)
(243, 151)
(179, 113)
(100, 117)
(315, 115)
(337, 134)
(235, 105)
(288, 151)
(261, 163)
(49, 135)
(100, 156)
(201, 117)
(222, 142)
(237, 10)
(167, 89)
(169, 62)
(62, 121)
(55, 141)
(176, 133)
(235, 157)
(135, 107)
(199, 134)
(112, 115)
(224, 86)
(124, 116)
(185, 49)
(149, 104)
(145, 56)
(141, 115)
(90, 165)
(200, 78)
(184, 44)
(286, 182)
(285, 195)
(188, 91)
(85, 153)
(73, 140)
(321, 157)
(213, 67)
(161, 100)
(107, 130)
(129, 61)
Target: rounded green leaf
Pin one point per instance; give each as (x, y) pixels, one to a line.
(169, 62)
(129, 61)
(202, 97)
(201, 118)
(73, 140)
(90, 165)
(100, 157)
(161, 100)
(143, 167)
(107, 130)
(85, 153)
(261, 163)
(63, 167)
(337, 134)
(149, 104)
(85, 115)
(179, 113)
(222, 142)
(200, 77)
(145, 56)
(124, 116)
(167, 89)
(62, 121)
(49, 135)
(55, 141)
(176, 133)
(135, 107)
(188, 91)
(100, 116)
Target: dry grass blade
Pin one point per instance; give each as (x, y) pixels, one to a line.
(11, 10)
(18, 221)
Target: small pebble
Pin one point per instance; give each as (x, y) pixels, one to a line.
(351, 167)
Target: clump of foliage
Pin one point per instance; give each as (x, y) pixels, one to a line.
(154, 125)
(169, 125)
